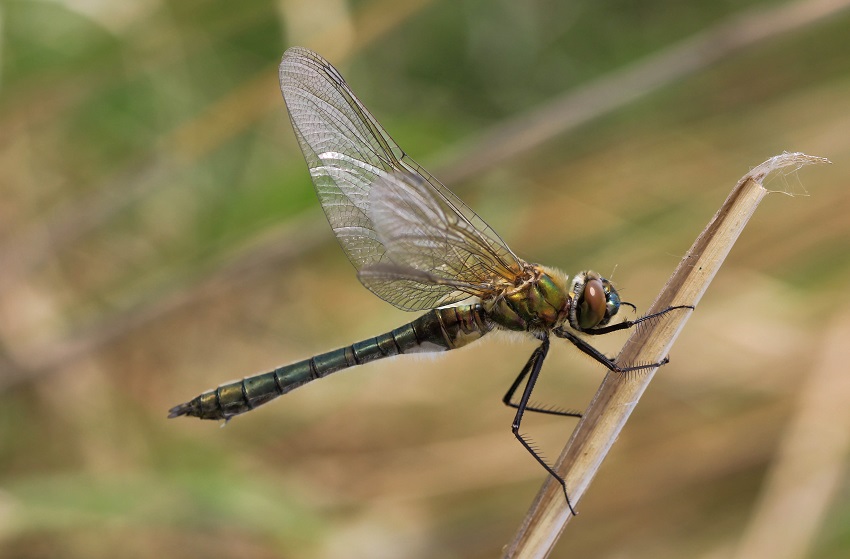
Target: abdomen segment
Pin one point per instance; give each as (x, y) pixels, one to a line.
(438, 330)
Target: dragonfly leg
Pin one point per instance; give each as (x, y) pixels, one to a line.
(532, 369)
(509, 395)
(626, 324)
(600, 357)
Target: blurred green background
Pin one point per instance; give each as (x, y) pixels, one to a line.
(159, 236)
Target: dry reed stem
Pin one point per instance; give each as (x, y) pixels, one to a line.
(650, 343)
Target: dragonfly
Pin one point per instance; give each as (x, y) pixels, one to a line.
(416, 245)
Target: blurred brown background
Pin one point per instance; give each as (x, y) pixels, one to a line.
(159, 236)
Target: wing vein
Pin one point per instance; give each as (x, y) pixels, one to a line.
(414, 243)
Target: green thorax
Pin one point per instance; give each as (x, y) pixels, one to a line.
(540, 302)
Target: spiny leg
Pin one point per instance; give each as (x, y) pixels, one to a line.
(609, 363)
(535, 363)
(597, 355)
(509, 395)
(626, 324)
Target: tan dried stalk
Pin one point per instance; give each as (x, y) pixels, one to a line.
(650, 343)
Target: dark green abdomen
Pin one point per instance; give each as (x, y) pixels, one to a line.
(438, 330)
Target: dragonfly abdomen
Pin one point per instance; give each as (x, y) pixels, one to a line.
(438, 330)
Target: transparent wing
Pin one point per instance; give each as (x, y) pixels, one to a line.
(433, 255)
(362, 176)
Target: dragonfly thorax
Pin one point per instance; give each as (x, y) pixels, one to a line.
(539, 302)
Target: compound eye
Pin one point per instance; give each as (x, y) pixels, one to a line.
(613, 298)
(592, 305)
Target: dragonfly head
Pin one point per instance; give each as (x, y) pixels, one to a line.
(595, 301)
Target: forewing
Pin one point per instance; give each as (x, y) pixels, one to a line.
(343, 145)
(349, 155)
(429, 242)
